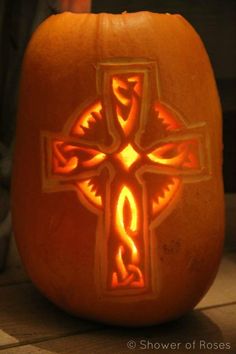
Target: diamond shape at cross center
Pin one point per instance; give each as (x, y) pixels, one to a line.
(128, 156)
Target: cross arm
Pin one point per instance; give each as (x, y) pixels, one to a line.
(66, 158)
(182, 153)
(68, 165)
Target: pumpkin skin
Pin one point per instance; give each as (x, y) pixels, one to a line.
(57, 233)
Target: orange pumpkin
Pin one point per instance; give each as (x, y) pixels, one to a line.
(117, 186)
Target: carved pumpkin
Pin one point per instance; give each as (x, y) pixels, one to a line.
(117, 186)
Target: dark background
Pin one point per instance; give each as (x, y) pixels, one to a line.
(214, 20)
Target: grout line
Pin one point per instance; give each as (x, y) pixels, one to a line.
(215, 306)
(16, 283)
(49, 338)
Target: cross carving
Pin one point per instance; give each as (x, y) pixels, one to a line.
(127, 155)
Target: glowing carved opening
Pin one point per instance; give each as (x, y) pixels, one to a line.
(87, 119)
(161, 201)
(127, 91)
(90, 192)
(127, 274)
(175, 155)
(95, 160)
(128, 156)
(168, 120)
(64, 164)
(127, 196)
(61, 164)
(137, 84)
(131, 275)
(119, 87)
